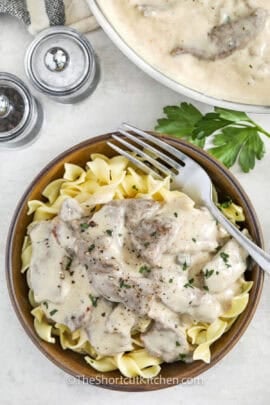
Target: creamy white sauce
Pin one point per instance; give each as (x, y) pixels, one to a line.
(221, 48)
(135, 265)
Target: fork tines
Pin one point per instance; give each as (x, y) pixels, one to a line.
(140, 151)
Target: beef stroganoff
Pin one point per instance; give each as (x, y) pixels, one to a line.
(217, 47)
(128, 272)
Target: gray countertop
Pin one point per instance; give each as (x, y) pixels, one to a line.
(124, 94)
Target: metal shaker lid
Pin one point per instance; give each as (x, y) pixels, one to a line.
(60, 61)
(20, 116)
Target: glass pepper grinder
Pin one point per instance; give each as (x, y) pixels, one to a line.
(20, 115)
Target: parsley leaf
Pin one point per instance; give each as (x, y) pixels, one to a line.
(230, 115)
(225, 257)
(69, 262)
(144, 269)
(185, 266)
(45, 303)
(91, 247)
(208, 124)
(226, 204)
(189, 284)
(208, 273)
(243, 144)
(123, 284)
(84, 226)
(182, 356)
(235, 137)
(93, 300)
(180, 122)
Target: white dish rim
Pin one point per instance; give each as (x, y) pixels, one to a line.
(162, 78)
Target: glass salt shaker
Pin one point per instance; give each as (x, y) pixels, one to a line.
(61, 63)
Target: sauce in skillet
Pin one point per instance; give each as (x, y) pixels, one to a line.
(221, 48)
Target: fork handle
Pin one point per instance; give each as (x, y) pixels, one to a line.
(258, 255)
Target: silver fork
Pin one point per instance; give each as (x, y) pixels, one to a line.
(186, 175)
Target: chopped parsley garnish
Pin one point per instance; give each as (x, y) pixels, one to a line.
(45, 303)
(84, 226)
(91, 247)
(225, 258)
(182, 356)
(171, 280)
(205, 288)
(123, 284)
(175, 214)
(185, 266)
(208, 273)
(217, 272)
(53, 312)
(177, 344)
(69, 262)
(146, 244)
(189, 284)
(109, 232)
(226, 204)
(135, 187)
(144, 269)
(194, 240)
(93, 300)
(153, 234)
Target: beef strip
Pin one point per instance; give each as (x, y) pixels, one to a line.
(228, 37)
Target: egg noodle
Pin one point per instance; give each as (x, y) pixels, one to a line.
(103, 180)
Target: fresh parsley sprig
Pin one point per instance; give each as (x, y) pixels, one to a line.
(235, 137)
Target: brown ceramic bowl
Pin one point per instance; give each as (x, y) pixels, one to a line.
(74, 363)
